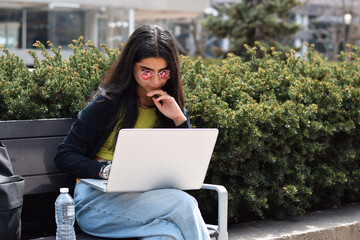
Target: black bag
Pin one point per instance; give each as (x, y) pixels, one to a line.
(11, 198)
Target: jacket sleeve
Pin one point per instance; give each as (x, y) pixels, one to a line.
(185, 124)
(75, 154)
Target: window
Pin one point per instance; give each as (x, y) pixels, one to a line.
(10, 28)
(101, 31)
(58, 27)
(65, 27)
(37, 27)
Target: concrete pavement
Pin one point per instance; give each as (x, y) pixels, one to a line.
(338, 224)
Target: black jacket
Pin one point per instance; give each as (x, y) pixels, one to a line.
(94, 123)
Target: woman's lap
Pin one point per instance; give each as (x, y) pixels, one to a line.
(157, 214)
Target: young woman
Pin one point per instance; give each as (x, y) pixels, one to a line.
(143, 89)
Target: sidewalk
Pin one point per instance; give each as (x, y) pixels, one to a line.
(338, 224)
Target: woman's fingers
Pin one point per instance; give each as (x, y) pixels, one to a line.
(158, 92)
(157, 103)
(160, 95)
(163, 97)
(168, 106)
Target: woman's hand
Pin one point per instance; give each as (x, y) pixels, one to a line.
(167, 106)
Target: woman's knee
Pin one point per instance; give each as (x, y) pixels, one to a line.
(176, 194)
(180, 200)
(184, 197)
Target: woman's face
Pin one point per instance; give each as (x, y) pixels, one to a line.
(151, 74)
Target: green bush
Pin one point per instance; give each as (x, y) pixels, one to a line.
(289, 129)
(56, 87)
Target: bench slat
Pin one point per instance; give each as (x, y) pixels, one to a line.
(79, 236)
(34, 128)
(83, 236)
(45, 183)
(33, 156)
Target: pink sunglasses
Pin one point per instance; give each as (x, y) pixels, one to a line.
(147, 74)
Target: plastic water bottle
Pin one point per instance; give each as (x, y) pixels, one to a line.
(65, 216)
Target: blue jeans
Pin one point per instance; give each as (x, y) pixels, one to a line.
(153, 215)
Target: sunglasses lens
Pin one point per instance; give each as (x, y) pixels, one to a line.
(164, 74)
(146, 75)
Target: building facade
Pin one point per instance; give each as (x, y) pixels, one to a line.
(23, 22)
(328, 25)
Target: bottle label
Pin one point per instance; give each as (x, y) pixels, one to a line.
(70, 210)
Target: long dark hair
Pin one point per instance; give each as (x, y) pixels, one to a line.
(119, 83)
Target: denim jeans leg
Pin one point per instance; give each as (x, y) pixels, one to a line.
(153, 215)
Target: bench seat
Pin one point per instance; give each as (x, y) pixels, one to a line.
(32, 145)
(83, 236)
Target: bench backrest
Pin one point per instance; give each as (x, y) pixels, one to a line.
(32, 145)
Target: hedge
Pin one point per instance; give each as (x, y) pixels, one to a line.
(56, 87)
(288, 129)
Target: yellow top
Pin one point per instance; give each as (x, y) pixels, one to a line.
(146, 119)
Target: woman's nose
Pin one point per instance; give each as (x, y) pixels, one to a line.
(156, 79)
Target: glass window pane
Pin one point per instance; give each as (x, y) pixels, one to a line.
(117, 28)
(101, 34)
(10, 28)
(37, 27)
(56, 26)
(65, 27)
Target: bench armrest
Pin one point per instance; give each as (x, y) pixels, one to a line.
(222, 210)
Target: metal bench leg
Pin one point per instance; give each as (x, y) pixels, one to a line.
(221, 228)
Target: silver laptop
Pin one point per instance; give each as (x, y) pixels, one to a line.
(146, 159)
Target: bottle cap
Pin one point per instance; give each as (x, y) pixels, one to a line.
(64, 190)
